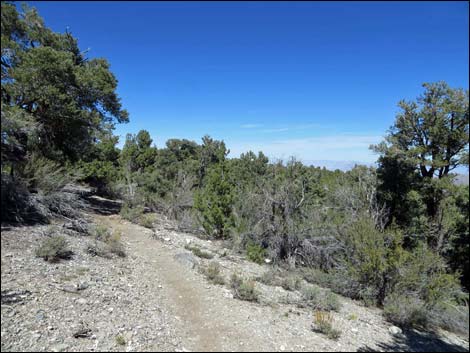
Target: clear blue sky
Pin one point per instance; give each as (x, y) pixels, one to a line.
(317, 80)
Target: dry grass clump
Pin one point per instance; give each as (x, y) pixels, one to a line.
(324, 322)
(54, 248)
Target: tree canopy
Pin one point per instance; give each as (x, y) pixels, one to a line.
(431, 132)
(55, 100)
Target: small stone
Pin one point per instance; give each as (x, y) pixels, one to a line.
(82, 332)
(40, 315)
(228, 294)
(82, 301)
(82, 286)
(110, 310)
(394, 330)
(166, 239)
(282, 348)
(268, 261)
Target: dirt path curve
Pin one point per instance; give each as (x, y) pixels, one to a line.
(194, 306)
(205, 317)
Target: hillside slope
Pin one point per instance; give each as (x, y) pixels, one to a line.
(156, 299)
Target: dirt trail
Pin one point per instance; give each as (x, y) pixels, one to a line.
(207, 318)
(194, 306)
(154, 302)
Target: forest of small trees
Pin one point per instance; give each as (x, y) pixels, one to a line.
(395, 236)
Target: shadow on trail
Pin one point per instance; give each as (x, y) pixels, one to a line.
(103, 206)
(416, 341)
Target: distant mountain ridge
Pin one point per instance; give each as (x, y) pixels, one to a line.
(333, 165)
(460, 178)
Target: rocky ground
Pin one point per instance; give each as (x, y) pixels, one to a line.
(156, 299)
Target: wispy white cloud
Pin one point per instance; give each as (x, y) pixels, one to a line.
(340, 147)
(282, 129)
(251, 126)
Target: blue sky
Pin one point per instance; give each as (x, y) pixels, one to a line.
(317, 80)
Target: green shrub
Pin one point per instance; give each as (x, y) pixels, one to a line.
(106, 243)
(214, 202)
(16, 205)
(131, 213)
(291, 283)
(270, 278)
(255, 253)
(101, 174)
(135, 214)
(332, 302)
(45, 175)
(213, 274)
(319, 299)
(198, 252)
(424, 293)
(98, 248)
(323, 322)
(101, 233)
(247, 291)
(120, 340)
(405, 310)
(188, 222)
(284, 279)
(372, 260)
(352, 317)
(243, 289)
(338, 281)
(450, 317)
(53, 249)
(425, 273)
(146, 220)
(235, 281)
(115, 244)
(314, 276)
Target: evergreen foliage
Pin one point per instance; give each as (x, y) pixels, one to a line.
(214, 202)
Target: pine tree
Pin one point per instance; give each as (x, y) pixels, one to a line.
(215, 202)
